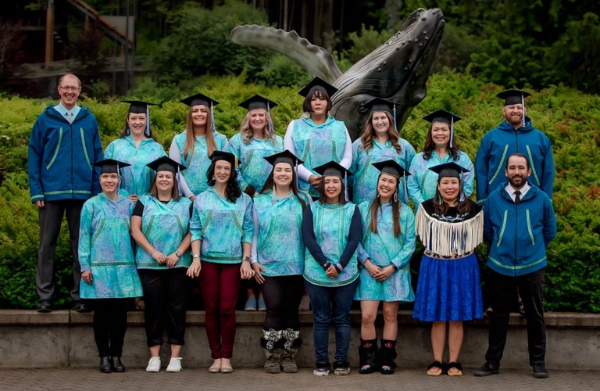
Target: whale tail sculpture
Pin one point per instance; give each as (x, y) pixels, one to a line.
(398, 70)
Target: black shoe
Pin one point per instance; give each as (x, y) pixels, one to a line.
(106, 365)
(81, 307)
(540, 371)
(45, 306)
(487, 369)
(117, 364)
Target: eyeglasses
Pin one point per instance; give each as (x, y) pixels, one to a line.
(70, 88)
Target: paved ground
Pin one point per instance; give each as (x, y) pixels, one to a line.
(255, 379)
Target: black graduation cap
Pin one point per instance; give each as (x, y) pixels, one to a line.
(138, 107)
(449, 170)
(513, 97)
(318, 84)
(257, 102)
(378, 104)
(222, 155)
(110, 166)
(199, 99)
(332, 169)
(283, 157)
(442, 116)
(165, 164)
(391, 167)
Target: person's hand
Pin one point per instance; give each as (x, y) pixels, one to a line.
(332, 272)
(371, 268)
(192, 198)
(194, 269)
(385, 273)
(87, 277)
(258, 268)
(314, 180)
(246, 271)
(39, 204)
(159, 257)
(133, 197)
(172, 260)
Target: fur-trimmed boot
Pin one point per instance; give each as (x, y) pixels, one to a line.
(367, 352)
(387, 355)
(271, 342)
(292, 342)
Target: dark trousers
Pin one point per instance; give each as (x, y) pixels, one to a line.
(220, 284)
(164, 297)
(282, 298)
(331, 303)
(110, 323)
(51, 216)
(504, 292)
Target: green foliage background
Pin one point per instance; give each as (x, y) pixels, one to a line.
(569, 118)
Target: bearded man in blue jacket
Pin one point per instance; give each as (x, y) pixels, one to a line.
(519, 225)
(63, 145)
(514, 135)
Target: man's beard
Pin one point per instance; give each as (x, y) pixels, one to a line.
(513, 120)
(522, 181)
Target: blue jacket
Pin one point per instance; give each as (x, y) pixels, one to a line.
(501, 142)
(519, 233)
(61, 156)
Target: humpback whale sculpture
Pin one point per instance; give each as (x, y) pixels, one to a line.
(397, 70)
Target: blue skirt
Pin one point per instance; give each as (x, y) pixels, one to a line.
(448, 290)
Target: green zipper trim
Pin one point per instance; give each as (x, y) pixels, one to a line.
(237, 223)
(87, 158)
(335, 283)
(503, 227)
(306, 150)
(112, 263)
(205, 225)
(423, 180)
(268, 236)
(128, 224)
(60, 135)
(149, 226)
(500, 165)
(36, 196)
(364, 171)
(529, 227)
(531, 165)
(67, 192)
(180, 226)
(520, 267)
(97, 232)
(334, 150)
(247, 163)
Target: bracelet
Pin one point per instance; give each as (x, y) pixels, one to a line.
(152, 253)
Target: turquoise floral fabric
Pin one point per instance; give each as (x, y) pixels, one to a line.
(137, 178)
(106, 249)
(222, 226)
(253, 168)
(384, 249)
(164, 226)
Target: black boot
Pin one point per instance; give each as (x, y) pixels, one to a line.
(367, 352)
(118, 365)
(106, 365)
(387, 354)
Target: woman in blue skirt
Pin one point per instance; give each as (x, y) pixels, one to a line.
(450, 226)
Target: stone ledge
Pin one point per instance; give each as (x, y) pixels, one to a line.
(248, 318)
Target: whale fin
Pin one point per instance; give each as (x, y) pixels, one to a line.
(314, 59)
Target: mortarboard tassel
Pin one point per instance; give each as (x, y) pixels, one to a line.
(118, 178)
(523, 111)
(179, 180)
(147, 132)
(212, 116)
(451, 130)
(269, 115)
(395, 126)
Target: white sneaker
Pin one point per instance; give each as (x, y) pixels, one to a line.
(153, 364)
(175, 365)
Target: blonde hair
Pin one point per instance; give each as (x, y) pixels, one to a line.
(246, 132)
(190, 138)
(367, 137)
(69, 75)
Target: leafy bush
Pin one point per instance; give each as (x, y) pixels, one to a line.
(569, 118)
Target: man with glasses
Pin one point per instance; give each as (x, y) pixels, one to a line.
(63, 145)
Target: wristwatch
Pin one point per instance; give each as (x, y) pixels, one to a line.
(178, 254)
(196, 256)
(247, 259)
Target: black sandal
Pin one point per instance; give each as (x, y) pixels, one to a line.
(454, 365)
(436, 364)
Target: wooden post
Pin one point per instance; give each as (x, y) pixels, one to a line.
(49, 33)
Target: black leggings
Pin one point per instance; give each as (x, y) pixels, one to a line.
(110, 323)
(282, 298)
(164, 297)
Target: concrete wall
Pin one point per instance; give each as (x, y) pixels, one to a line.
(65, 338)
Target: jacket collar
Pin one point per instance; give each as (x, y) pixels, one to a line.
(530, 194)
(505, 126)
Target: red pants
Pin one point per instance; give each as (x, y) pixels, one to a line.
(220, 284)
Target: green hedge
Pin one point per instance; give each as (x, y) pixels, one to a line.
(569, 118)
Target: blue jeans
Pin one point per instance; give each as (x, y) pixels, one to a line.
(331, 303)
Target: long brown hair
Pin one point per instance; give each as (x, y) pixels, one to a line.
(369, 133)
(190, 137)
(246, 132)
(232, 190)
(440, 207)
(174, 190)
(321, 190)
(125, 132)
(430, 145)
(270, 184)
(376, 204)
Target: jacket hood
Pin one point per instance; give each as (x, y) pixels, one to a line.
(530, 194)
(505, 126)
